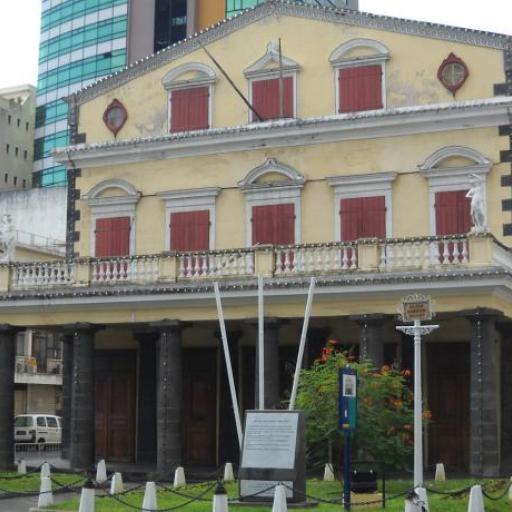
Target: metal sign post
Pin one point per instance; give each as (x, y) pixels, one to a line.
(416, 308)
(348, 419)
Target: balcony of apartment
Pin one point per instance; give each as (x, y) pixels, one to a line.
(29, 370)
(454, 257)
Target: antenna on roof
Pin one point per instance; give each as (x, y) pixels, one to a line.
(221, 69)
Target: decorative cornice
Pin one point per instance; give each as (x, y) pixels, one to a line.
(338, 55)
(206, 76)
(123, 185)
(190, 193)
(455, 151)
(272, 165)
(295, 132)
(378, 178)
(260, 68)
(282, 8)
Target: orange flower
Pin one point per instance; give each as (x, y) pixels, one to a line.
(406, 373)
(385, 369)
(408, 427)
(427, 415)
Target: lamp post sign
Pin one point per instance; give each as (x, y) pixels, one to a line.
(416, 307)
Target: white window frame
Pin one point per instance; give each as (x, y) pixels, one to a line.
(339, 61)
(362, 185)
(289, 191)
(206, 78)
(111, 207)
(452, 179)
(190, 200)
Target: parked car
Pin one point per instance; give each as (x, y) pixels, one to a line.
(37, 428)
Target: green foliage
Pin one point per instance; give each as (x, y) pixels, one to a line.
(384, 430)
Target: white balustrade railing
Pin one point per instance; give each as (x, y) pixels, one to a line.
(210, 264)
(34, 275)
(117, 270)
(422, 253)
(305, 259)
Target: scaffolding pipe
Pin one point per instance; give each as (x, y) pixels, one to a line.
(302, 344)
(261, 347)
(229, 368)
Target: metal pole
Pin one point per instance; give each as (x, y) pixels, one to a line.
(229, 368)
(418, 399)
(281, 83)
(261, 347)
(346, 469)
(302, 344)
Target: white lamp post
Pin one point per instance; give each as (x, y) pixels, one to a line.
(416, 308)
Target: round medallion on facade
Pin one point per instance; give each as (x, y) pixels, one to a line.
(115, 116)
(452, 73)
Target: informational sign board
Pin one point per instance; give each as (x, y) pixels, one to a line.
(347, 398)
(416, 307)
(273, 451)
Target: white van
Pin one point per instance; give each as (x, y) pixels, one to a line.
(37, 428)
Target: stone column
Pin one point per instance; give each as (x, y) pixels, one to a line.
(146, 419)
(271, 359)
(67, 378)
(7, 351)
(371, 344)
(169, 396)
(484, 429)
(82, 428)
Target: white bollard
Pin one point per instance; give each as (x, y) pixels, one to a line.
(279, 504)
(510, 490)
(149, 502)
(22, 467)
(329, 473)
(116, 485)
(179, 478)
(220, 499)
(45, 470)
(418, 502)
(229, 475)
(87, 498)
(45, 493)
(440, 473)
(476, 499)
(101, 472)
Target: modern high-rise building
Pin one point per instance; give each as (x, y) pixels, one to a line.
(82, 41)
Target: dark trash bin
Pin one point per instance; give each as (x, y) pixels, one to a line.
(364, 481)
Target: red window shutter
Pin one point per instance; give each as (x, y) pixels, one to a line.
(273, 224)
(453, 213)
(360, 88)
(112, 237)
(189, 109)
(190, 231)
(265, 98)
(363, 217)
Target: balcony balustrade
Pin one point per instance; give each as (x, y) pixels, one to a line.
(365, 255)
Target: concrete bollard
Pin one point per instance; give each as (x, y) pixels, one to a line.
(45, 470)
(22, 467)
(279, 504)
(417, 501)
(220, 499)
(440, 473)
(329, 473)
(45, 493)
(149, 502)
(510, 490)
(87, 498)
(229, 475)
(101, 472)
(476, 499)
(116, 485)
(179, 478)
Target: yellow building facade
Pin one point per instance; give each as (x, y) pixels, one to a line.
(374, 157)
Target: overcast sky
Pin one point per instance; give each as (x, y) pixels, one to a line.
(19, 26)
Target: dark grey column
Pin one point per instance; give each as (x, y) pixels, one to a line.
(82, 428)
(7, 347)
(271, 359)
(484, 429)
(506, 399)
(169, 396)
(371, 341)
(146, 419)
(67, 378)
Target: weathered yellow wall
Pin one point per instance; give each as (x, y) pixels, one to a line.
(409, 195)
(411, 74)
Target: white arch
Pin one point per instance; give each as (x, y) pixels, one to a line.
(442, 154)
(339, 53)
(206, 75)
(272, 165)
(99, 188)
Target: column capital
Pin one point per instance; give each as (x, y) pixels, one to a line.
(148, 335)
(167, 325)
(370, 319)
(481, 313)
(82, 327)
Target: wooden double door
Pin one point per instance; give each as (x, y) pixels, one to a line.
(448, 401)
(115, 405)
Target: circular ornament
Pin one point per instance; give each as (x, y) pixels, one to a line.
(115, 116)
(452, 73)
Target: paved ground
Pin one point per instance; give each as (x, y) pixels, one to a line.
(25, 504)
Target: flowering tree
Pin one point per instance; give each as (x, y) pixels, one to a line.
(384, 412)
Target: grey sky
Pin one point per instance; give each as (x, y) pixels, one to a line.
(19, 26)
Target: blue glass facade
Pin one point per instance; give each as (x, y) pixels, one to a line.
(81, 41)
